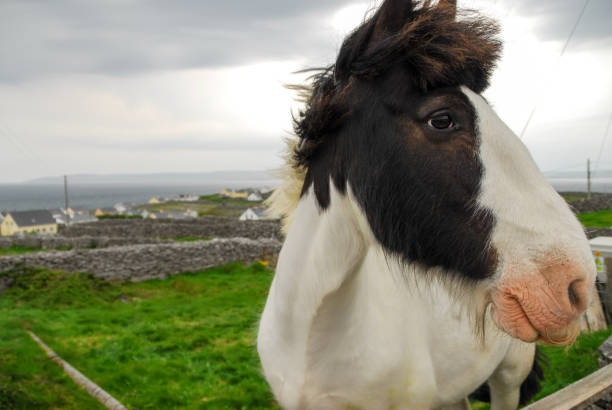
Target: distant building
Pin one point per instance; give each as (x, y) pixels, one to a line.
(187, 198)
(38, 221)
(254, 197)
(59, 215)
(74, 211)
(154, 201)
(254, 214)
(106, 211)
(240, 194)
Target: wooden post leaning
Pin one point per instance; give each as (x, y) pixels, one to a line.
(93, 389)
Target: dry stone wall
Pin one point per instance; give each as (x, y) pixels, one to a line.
(149, 261)
(598, 202)
(120, 232)
(595, 232)
(203, 227)
(66, 243)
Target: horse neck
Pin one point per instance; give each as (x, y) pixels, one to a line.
(321, 250)
(334, 296)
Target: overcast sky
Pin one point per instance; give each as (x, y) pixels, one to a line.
(139, 86)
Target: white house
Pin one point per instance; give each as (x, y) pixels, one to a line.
(76, 211)
(82, 218)
(254, 197)
(254, 214)
(59, 214)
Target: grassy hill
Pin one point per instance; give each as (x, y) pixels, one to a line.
(214, 204)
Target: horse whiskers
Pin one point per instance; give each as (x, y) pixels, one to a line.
(567, 337)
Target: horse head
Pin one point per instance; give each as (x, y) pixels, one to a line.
(441, 180)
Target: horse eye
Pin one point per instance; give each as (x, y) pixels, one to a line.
(441, 122)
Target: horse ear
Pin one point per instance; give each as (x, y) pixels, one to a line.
(450, 5)
(388, 20)
(392, 16)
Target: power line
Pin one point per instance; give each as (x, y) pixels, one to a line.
(570, 167)
(565, 168)
(603, 143)
(25, 149)
(20, 147)
(569, 38)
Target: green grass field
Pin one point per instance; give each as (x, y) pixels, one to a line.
(601, 219)
(185, 342)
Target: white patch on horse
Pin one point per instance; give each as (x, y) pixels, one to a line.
(540, 242)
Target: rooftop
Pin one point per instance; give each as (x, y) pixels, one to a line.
(32, 218)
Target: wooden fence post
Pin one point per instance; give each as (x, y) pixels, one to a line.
(608, 295)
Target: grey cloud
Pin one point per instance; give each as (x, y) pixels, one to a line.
(235, 143)
(556, 18)
(38, 38)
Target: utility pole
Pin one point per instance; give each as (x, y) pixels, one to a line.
(66, 199)
(588, 178)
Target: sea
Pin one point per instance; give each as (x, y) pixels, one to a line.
(21, 197)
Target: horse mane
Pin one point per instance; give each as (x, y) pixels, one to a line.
(436, 47)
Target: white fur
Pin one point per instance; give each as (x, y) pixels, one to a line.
(346, 327)
(531, 217)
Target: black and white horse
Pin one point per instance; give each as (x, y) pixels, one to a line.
(425, 253)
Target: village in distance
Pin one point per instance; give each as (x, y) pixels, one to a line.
(242, 204)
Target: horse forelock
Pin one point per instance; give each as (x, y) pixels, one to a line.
(434, 47)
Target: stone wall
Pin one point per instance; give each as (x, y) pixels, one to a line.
(117, 232)
(149, 261)
(595, 232)
(598, 202)
(79, 242)
(203, 227)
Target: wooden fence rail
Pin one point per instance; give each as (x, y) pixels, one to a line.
(580, 394)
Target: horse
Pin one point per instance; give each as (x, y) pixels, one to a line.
(425, 254)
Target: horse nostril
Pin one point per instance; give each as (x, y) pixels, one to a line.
(573, 293)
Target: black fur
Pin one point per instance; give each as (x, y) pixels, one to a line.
(529, 388)
(432, 48)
